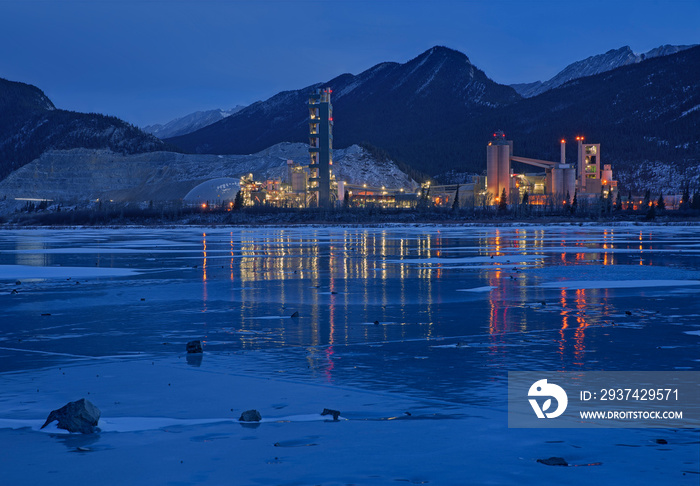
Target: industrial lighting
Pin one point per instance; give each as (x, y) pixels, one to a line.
(563, 141)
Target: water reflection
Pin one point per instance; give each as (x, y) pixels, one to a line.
(248, 282)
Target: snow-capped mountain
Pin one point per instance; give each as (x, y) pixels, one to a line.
(189, 123)
(389, 105)
(600, 63)
(435, 113)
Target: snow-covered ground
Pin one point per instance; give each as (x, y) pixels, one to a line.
(408, 331)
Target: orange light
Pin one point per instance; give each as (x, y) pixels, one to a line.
(604, 182)
(204, 205)
(650, 203)
(563, 141)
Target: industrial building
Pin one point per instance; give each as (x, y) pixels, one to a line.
(320, 147)
(587, 177)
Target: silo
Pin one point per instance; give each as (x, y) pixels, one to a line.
(570, 182)
(492, 170)
(503, 169)
(558, 182)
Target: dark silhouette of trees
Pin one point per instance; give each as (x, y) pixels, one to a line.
(661, 204)
(503, 202)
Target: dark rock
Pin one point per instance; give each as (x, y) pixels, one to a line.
(295, 315)
(250, 416)
(14, 291)
(194, 347)
(142, 299)
(553, 461)
(80, 416)
(45, 314)
(661, 441)
(334, 413)
(376, 323)
(628, 313)
(18, 282)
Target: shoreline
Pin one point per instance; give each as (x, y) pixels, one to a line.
(369, 225)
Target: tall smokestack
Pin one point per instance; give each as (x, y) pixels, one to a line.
(563, 151)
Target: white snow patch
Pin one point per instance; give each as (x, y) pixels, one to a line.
(488, 288)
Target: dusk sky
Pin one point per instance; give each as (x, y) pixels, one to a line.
(151, 61)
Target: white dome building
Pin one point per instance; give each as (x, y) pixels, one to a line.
(214, 191)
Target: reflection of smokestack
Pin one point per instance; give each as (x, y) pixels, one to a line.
(563, 151)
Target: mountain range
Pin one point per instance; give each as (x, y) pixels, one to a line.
(189, 123)
(432, 115)
(436, 112)
(600, 63)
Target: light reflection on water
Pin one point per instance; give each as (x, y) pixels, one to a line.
(372, 312)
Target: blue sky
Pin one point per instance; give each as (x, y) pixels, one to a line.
(150, 61)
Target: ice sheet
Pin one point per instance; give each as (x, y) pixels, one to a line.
(422, 393)
(619, 284)
(12, 272)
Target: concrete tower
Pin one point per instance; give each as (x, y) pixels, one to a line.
(498, 166)
(321, 146)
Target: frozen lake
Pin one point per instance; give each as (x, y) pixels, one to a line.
(409, 331)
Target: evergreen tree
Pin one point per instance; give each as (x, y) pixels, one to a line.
(455, 203)
(238, 202)
(618, 202)
(574, 203)
(503, 202)
(651, 213)
(685, 200)
(526, 199)
(695, 203)
(647, 200)
(661, 204)
(567, 200)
